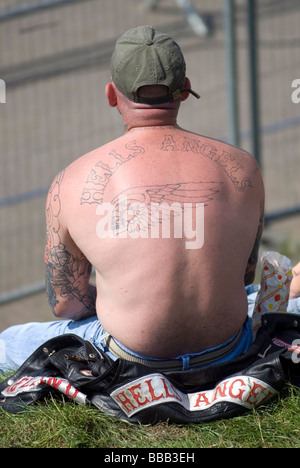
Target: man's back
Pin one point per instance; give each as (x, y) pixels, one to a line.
(164, 294)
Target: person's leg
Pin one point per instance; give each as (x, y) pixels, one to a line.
(18, 342)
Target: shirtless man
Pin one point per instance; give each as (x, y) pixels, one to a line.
(157, 297)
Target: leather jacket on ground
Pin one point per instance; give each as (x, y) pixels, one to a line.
(71, 368)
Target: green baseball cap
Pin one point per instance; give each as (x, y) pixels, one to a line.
(144, 56)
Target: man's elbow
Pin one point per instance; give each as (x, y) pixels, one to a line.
(59, 310)
(72, 310)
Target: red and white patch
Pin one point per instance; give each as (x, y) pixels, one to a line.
(155, 389)
(33, 384)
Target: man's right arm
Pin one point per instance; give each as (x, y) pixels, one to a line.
(69, 292)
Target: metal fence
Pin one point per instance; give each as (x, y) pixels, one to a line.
(54, 63)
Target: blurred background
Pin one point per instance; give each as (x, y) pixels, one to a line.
(242, 58)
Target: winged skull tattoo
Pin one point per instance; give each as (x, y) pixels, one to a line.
(140, 208)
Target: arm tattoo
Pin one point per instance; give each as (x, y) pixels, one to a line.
(67, 276)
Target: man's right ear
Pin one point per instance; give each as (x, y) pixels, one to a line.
(111, 95)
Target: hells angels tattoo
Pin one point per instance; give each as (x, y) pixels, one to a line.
(101, 173)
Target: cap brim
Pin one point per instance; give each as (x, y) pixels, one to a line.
(168, 97)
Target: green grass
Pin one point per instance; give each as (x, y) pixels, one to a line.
(68, 425)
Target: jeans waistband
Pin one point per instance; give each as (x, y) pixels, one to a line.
(176, 363)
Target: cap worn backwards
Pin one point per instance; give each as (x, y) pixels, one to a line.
(144, 56)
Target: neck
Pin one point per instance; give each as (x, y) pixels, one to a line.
(152, 127)
(159, 117)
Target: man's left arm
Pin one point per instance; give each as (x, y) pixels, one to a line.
(68, 271)
(252, 262)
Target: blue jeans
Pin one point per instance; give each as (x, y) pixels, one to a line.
(18, 342)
